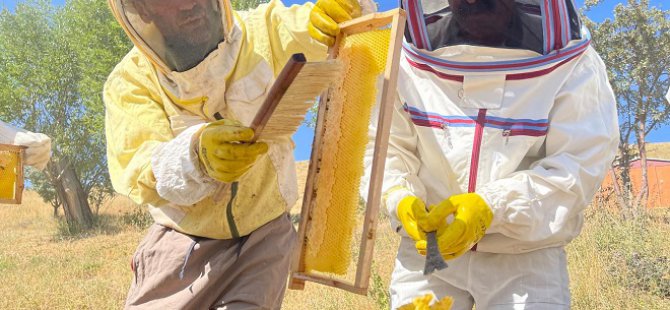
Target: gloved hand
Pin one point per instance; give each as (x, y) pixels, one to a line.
(472, 217)
(224, 150)
(325, 16)
(410, 211)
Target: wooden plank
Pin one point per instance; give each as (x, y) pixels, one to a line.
(380, 150)
(19, 176)
(298, 264)
(331, 282)
(369, 22)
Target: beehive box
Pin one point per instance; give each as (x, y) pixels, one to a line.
(11, 173)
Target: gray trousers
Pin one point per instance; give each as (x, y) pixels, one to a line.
(177, 271)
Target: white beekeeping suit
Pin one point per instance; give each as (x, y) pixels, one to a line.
(38, 145)
(505, 120)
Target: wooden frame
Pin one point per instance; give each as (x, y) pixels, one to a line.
(19, 184)
(395, 18)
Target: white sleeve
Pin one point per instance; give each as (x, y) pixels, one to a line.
(176, 167)
(545, 201)
(402, 164)
(38, 145)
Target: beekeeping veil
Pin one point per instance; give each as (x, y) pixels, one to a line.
(541, 27)
(176, 35)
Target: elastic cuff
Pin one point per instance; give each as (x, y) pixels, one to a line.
(176, 166)
(496, 209)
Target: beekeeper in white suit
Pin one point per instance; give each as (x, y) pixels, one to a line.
(38, 145)
(504, 126)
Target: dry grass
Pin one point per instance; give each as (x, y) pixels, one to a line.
(43, 269)
(658, 150)
(604, 271)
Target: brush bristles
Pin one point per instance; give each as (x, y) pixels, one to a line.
(311, 81)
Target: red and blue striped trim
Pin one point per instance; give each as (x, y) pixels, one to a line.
(512, 65)
(417, 24)
(514, 126)
(509, 77)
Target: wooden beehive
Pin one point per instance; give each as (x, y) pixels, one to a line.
(11, 173)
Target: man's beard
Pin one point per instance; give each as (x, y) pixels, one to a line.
(189, 49)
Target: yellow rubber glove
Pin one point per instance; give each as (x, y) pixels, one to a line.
(224, 150)
(325, 16)
(410, 211)
(472, 217)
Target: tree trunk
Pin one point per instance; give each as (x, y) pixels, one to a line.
(620, 201)
(71, 194)
(624, 197)
(641, 199)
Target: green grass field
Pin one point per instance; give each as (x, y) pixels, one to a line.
(614, 264)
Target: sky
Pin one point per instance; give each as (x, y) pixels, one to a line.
(303, 138)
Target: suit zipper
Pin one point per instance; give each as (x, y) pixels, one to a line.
(476, 148)
(474, 160)
(229, 212)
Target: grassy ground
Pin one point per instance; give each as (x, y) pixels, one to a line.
(614, 264)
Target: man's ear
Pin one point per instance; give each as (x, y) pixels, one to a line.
(143, 12)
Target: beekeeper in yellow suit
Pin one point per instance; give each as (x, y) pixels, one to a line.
(177, 107)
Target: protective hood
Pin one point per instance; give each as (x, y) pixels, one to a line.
(492, 35)
(175, 35)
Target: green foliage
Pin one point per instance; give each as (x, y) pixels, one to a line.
(634, 252)
(620, 262)
(634, 46)
(379, 292)
(139, 219)
(648, 274)
(53, 63)
(635, 49)
(247, 4)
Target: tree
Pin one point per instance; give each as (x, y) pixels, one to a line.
(53, 62)
(635, 47)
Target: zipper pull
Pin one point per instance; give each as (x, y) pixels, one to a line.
(506, 133)
(445, 129)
